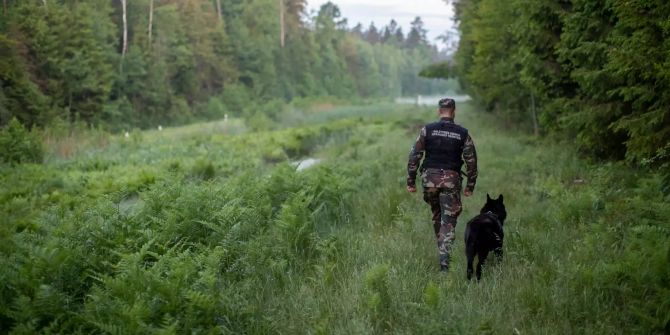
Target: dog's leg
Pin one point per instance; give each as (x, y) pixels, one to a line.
(470, 254)
(483, 254)
(498, 245)
(499, 253)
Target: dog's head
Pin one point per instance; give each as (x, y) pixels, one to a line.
(495, 206)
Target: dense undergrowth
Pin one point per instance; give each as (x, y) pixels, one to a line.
(205, 230)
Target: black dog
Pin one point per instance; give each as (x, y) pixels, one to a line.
(484, 233)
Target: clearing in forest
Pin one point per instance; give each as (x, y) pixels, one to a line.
(215, 231)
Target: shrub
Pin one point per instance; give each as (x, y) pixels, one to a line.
(136, 137)
(260, 122)
(296, 227)
(203, 169)
(18, 145)
(236, 99)
(379, 296)
(215, 109)
(431, 295)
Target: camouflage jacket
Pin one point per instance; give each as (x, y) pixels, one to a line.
(417, 153)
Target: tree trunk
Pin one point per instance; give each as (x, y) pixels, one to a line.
(151, 19)
(44, 2)
(218, 9)
(281, 23)
(125, 29)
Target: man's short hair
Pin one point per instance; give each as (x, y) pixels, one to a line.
(447, 103)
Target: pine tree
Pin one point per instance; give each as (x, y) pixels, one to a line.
(400, 36)
(19, 97)
(329, 35)
(357, 30)
(417, 34)
(390, 32)
(372, 34)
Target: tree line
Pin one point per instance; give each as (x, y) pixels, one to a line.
(137, 63)
(596, 71)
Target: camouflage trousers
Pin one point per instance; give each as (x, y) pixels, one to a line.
(442, 191)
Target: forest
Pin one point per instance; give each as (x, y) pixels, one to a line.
(135, 64)
(240, 167)
(593, 71)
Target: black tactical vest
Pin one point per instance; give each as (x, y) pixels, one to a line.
(444, 145)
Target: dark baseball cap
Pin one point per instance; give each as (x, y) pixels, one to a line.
(447, 103)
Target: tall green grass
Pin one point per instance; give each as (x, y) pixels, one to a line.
(217, 233)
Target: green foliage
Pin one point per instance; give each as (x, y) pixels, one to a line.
(594, 71)
(296, 227)
(193, 230)
(431, 295)
(203, 169)
(69, 50)
(18, 145)
(136, 137)
(379, 298)
(186, 61)
(19, 97)
(439, 70)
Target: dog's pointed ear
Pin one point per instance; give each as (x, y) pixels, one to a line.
(500, 198)
(488, 197)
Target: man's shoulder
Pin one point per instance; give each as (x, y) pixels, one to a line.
(432, 124)
(461, 128)
(453, 125)
(465, 130)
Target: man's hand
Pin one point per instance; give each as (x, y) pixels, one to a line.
(467, 193)
(411, 189)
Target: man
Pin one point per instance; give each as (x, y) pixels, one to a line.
(446, 146)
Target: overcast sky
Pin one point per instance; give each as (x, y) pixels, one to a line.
(436, 14)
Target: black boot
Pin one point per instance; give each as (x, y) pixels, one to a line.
(444, 263)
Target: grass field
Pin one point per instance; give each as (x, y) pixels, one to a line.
(209, 229)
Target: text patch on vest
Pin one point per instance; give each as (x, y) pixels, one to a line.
(448, 134)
